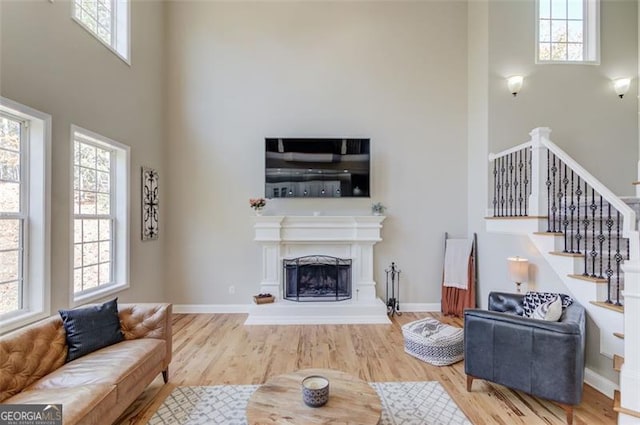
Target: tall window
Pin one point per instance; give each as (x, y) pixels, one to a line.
(12, 213)
(107, 20)
(100, 208)
(24, 227)
(568, 31)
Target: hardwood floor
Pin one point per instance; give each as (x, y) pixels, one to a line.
(214, 349)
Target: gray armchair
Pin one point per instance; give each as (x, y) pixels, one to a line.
(544, 359)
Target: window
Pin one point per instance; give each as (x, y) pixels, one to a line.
(100, 215)
(567, 31)
(107, 20)
(24, 254)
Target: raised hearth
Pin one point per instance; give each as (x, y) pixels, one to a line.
(345, 237)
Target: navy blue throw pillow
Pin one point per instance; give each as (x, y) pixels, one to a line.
(91, 328)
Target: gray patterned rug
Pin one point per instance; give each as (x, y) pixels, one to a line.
(403, 403)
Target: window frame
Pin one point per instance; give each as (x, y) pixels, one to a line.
(35, 213)
(591, 35)
(120, 211)
(120, 29)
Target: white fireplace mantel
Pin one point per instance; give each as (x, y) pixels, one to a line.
(350, 237)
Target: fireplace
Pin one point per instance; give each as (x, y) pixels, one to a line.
(317, 278)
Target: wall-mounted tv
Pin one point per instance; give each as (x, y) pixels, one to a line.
(317, 168)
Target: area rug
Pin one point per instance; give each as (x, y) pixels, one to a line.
(403, 403)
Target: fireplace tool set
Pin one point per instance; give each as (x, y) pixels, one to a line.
(393, 282)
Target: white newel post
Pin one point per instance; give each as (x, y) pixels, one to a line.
(630, 373)
(538, 202)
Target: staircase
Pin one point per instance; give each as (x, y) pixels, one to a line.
(588, 236)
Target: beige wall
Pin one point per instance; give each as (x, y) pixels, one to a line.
(588, 120)
(238, 72)
(52, 64)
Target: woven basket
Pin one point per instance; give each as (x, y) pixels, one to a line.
(433, 342)
(263, 300)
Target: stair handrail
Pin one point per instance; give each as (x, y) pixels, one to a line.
(493, 156)
(629, 222)
(540, 139)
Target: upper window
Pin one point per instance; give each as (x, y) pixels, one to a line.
(107, 20)
(567, 31)
(24, 253)
(100, 209)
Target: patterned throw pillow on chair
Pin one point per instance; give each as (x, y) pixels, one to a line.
(533, 300)
(550, 311)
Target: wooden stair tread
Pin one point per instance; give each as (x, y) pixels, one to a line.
(588, 278)
(567, 254)
(620, 409)
(618, 308)
(619, 335)
(636, 183)
(517, 217)
(617, 362)
(548, 233)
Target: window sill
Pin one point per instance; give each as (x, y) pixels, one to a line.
(121, 56)
(21, 319)
(98, 294)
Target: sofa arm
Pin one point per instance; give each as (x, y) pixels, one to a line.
(147, 321)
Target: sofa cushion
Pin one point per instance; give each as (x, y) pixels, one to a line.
(30, 353)
(88, 404)
(124, 364)
(91, 328)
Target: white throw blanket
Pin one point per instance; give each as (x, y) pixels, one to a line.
(456, 263)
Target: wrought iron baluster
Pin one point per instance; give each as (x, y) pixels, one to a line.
(578, 234)
(548, 183)
(594, 253)
(601, 237)
(502, 181)
(519, 182)
(565, 222)
(586, 223)
(554, 208)
(572, 209)
(618, 258)
(609, 271)
(495, 187)
(511, 187)
(526, 181)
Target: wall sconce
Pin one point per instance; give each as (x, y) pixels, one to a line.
(515, 84)
(518, 271)
(621, 86)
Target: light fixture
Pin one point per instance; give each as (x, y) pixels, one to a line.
(621, 86)
(515, 84)
(518, 271)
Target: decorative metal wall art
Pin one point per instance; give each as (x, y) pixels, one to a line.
(149, 204)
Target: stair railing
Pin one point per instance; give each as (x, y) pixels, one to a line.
(538, 179)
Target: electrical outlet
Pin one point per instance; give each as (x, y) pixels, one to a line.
(232, 289)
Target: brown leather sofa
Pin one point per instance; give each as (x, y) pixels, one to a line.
(98, 387)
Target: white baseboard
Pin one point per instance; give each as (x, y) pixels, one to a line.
(244, 308)
(211, 308)
(600, 383)
(420, 307)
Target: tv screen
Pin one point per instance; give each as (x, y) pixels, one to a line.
(317, 168)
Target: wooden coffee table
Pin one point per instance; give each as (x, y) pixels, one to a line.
(279, 401)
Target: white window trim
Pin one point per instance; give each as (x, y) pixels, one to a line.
(591, 38)
(37, 252)
(121, 233)
(122, 26)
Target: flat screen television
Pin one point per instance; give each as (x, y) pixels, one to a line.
(317, 168)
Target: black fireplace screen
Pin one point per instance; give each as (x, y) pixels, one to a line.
(317, 278)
